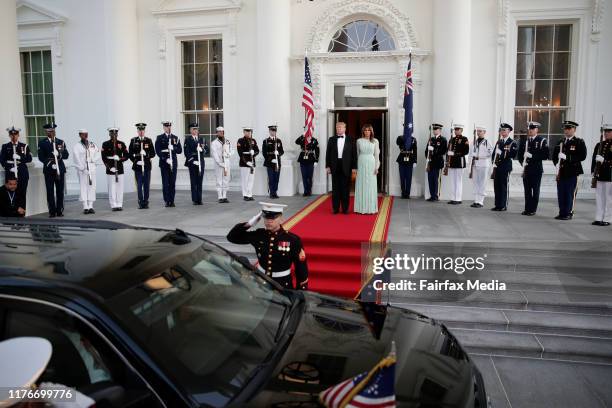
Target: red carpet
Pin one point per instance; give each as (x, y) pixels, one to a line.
(333, 243)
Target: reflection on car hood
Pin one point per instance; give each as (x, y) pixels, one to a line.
(334, 342)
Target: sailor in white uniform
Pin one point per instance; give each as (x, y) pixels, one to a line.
(86, 154)
(481, 157)
(221, 151)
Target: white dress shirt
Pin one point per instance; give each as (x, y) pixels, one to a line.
(340, 144)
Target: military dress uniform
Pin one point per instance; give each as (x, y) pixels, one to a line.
(505, 152)
(603, 190)
(406, 160)
(247, 151)
(272, 150)
(569, 169)
(221, 151)
(114, 153)
(459, 145)
(309, 155)
(531, 152)
(195, 150)
(52, 152)
(276, 250)
(85, 156)
(141, 151)
(14, 158)
(434, 154)
(167, 146)
(481, 157)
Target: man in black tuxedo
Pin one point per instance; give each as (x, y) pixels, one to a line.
(341, 163)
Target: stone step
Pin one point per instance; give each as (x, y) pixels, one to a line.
(508, 320)
(535, 345)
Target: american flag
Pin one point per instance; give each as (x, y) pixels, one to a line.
(408, 102)
(373, 389)
(307, 104)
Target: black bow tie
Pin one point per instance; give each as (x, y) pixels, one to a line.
(340, 137)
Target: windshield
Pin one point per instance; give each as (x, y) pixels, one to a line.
(207, 319)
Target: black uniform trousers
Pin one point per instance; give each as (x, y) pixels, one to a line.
(307, 171)
(55, 192)
(405, 171)
(433, 178)
(531, 185)
(500, 185)
(341, 186)
(566, 193)
(195, 178)
(273, 177)
(168, 176)
(143, 182)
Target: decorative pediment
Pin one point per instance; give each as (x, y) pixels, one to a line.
(33, 14)
(168, 7)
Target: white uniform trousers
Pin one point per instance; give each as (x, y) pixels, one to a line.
(603, 199)
(88, 193)
(222, 182)
(479, 177)
(456, 176)
(115, 190)
(246, 180)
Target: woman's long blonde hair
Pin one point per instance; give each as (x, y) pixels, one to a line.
(366, 127)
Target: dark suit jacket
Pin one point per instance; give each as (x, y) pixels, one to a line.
(8, 209)
(349, 155)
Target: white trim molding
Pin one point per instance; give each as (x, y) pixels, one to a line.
(174, 7)
(599, 7)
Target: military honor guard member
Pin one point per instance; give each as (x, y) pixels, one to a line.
(86, 154)
(458, 149)
(505, 152)
(52, 152)
(221, 151)
(308, 158)
(406, 161)
(272, 150)
(531, 152)
(481, 157)
(568, 156)
(195, 150)
(247, 151)
(435, 152)
(12, 201)
(14, 157)
(601, 167)
(141, 151)
(277, 250)
(167, 146)
(114, 153)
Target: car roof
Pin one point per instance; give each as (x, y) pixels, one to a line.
(103, 257)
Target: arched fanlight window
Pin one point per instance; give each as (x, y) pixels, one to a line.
(360, 36)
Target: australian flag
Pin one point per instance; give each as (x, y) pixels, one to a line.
(408, 102)
(375, 388)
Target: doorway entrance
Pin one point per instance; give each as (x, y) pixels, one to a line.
(355, 119)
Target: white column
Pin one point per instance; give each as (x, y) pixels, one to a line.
(273, 85)
(451, 71)
(122, 65)
(11, 103)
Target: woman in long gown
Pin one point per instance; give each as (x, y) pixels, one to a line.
(368, 162)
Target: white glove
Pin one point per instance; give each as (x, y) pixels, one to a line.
(16, 156)
(562, 156)
(139, 162)
(196, 163)
(414, 165)
(451, 153)
(169, 161)
(430, 148)
(199, 148)
(54, 167)
(274, 161)
(250, 164)
(115, 157)
(276, 152)
(112, 170)
(316, 164)
(55, 153)
(14, 170)
(253, 221)
(497, 152)
(170, 147)
(599, 158)
(528, 155)
(251, 151)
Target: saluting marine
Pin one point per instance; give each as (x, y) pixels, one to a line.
(247, 151)
(167, 146)
(14, 157)
(434, 154)
(86, 155)
(114, 153)
(406, 161)
(272, 150)
(141, 152)
(601, 167)
(481, 157)
(531, 152)
(276, 248)
(505, 152)
(308, 158)
(568, 156)
(458, 148)
(195, 150)
(221, 151)
(52, 152)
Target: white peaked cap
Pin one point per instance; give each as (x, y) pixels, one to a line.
(219, 128)
(22, 361)
(457, 125)
(534, 123)
(272, 207)
(480, 127)
(607, 126)
(115, 129)
(83, 131)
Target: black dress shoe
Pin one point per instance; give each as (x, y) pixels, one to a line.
(503, 209)
(86, 211)
(225, 200)
(566, 218)
(451, 202)
(167, 205)
(597, 223)
(531, 214)
(220, 201)
(558, 217)
(91, 211)
(141, 206)
(172, 205)
(605, 223)
(430, 199)
(245, 198)
(60, 214)
(525, 213)
(51, 215)
(119, 208)
(474, 205)
(495, 209)
(114, 209)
